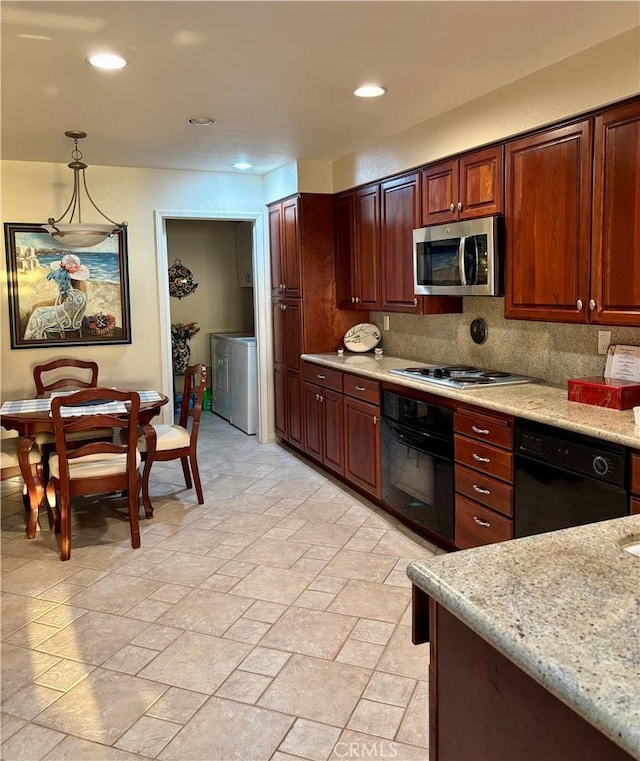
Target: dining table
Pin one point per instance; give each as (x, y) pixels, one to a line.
(32, 416)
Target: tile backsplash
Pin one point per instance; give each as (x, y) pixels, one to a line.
(547, 350)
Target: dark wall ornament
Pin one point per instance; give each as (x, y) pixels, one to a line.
(478, 330)
(180, 280)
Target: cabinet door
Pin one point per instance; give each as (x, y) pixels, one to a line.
(344, 217)
(278, 327)
(280, 394)
(481, 177)
(548, 225)
(293, 333)
(615, 278)
(399, 215)
(367, 259)
(333, 413)
(440, 193)
(291, 244)
(294, 402)
(275, 243)
(362, 445)
(311, 407)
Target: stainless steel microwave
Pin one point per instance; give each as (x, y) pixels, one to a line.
(458, 259)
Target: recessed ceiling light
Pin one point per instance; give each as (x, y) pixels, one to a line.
(202, 121)
(107, 61)
(370, 91)
(243, 165)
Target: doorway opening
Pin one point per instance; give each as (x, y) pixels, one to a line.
(224, 252)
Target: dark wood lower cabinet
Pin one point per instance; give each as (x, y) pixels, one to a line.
(484, 708)
(294, 399)
(362, 442)
(324, 426)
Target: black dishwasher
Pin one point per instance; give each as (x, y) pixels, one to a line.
(563, 479)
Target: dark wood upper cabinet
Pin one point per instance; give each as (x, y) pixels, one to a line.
(463, 188)
(548, 225)
(357, 228)
(399, 215)
(615, 280)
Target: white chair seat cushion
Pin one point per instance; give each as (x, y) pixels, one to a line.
(9, 457)
(44, 437)
(167, 437)
(93, 465)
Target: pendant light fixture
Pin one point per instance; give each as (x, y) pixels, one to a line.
(79, 234)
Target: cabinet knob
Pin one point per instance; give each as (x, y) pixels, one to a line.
(283, 306)
(317, 397)
(321, 398)
(357, 299)
(415, 302)
(480, 522)
(353, 299)
(579, 305)
(375, 420)
(459, 205)
(592, 304)
(452, 207)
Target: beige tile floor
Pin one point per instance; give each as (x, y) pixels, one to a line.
(272, 622)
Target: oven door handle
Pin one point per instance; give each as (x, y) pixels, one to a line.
(461, 247)
(417, 439)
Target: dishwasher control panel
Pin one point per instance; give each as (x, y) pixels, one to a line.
(582, 455)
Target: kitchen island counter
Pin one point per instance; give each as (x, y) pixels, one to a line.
(535, 401)
(564, 607)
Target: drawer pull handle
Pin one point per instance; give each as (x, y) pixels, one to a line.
(359, 388)
(480, 459)
(322, 377)
(480, 522)
(480, 490)
(483, 431)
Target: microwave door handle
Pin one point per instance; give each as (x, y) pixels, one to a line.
(463, 274)
(477, 257)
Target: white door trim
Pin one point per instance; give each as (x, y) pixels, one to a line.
(261, 306)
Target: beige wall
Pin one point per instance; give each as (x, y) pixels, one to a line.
(208, 249)
(32, 192)
(602, 74)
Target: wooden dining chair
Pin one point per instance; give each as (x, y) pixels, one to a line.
(10, 468)
(86, 375)
(170, 442)
(79, 374)
(95, 467)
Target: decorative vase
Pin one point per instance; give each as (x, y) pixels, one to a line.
(180, 353)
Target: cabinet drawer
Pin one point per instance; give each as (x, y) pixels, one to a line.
(635, 473)
(477, 525)
(322, 376)
(484, 428)
(362, 388)
(485, 458)
(495, 494)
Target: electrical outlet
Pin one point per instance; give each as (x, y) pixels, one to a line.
(385, 322)
(604, 339)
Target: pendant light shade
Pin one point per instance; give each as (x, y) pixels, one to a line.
(76, 234)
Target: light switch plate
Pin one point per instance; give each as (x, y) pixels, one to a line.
(385, 322)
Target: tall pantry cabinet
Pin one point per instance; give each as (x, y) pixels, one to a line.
(303, 296)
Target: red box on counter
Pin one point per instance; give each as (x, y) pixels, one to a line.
(613, 393)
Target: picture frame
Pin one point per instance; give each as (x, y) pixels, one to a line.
(62, 296)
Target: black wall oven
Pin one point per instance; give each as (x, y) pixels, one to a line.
(417, 464)
(563, 479)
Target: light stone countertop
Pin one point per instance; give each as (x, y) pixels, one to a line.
(534, 401)
(564, 607)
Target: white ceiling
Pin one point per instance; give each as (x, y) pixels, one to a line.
(277, 76)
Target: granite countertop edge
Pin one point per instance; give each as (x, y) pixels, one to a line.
(556, 642)
(540, 402)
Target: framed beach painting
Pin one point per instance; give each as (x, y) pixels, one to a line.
(66, 297)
